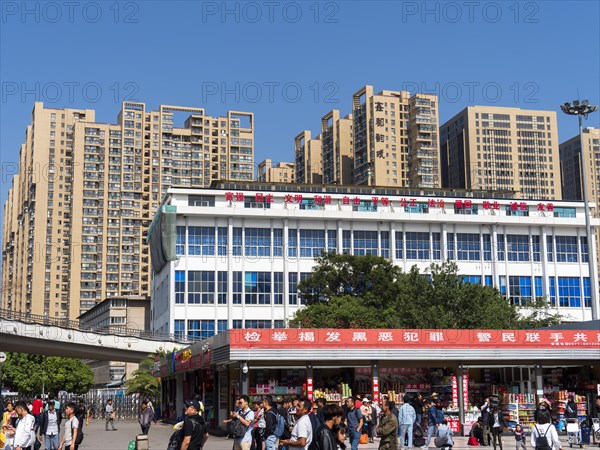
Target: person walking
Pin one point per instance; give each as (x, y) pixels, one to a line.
(145, 417)
(433, 418)
(109, 414)
(36, 408)
(246, 416)
(354, 422)
(302, 434)
(485, 416)
(25, 429)
(325, 438)
(571, 409)
(418, 405)
(543, 433)
(407, 418)
(367, 411)
(271, 416)
(195, 434)
(388, 427)
(497, 425)
(520, 437)
(69, 439)
(49, 430)
(9, 422)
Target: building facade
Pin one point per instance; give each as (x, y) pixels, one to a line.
(129, 312)
(308, 158)
(337, 149)
(396, 139)
(502, 149)
(571, 168)
(236, 262)
(281, 172)
(81, 203)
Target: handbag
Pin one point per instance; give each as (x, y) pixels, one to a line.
(472, 441)
(440, 441)
(364, 438)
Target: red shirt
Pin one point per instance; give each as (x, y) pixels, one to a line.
(37, 406)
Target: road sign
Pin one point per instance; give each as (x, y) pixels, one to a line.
(2, 357)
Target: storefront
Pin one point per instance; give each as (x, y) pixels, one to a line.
(462, 366)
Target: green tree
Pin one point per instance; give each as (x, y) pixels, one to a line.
(347, 291)
(143, 381)
(32, 374)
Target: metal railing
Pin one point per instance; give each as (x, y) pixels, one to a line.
(111, 330)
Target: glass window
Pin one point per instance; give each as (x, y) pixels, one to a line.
(201, 287)
(221, 325)
(365, 243)
(587, 293)
(467, 247)
(584, 249)
(293, 288)
(179, 286)
(569, 291)
(332, 240)
(566, 248)
(257, 288)
(279, 324)
(418, 208)
(278, 242)
(399, 245)
(201, 241)
(436, 239)
(179, 328)
(520, 290)
(564, 212)
(201, 328)
(237, 242)
(222, 241)
(501, 248)
(222, 287)
(517, 247)
(236, 324)
(237, 288)
(417, 245)
(278, 288)
(502, 280)
(312, 243)
(258, 324)
(535, 248)
(487, 247)
(346, 245)
(450, 239)
(180, 244)
(293, 242)
(194, 329)
(257, 242)
(385, 244)
(552, 291)
(538, 287)
(304, 276)
(473, 279)
(489, 281)
(550, 247)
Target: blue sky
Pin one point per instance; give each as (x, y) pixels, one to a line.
(291, 62)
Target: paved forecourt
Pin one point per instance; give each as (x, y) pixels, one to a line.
(98, 439)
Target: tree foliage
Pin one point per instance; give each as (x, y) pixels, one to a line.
(346, 291)
(143, 381)
(32, 374)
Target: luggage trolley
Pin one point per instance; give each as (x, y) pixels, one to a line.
(596, 429)
(574, 433)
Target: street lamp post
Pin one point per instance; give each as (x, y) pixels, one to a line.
(582, 109)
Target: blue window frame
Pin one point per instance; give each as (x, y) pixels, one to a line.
(257, 324)
(179, 328)
(332, 241)
(552, 286)
(222, 241)
(520, 290)
(257, 242)
(501, 248)
(502, 286)
(279, 324)
(365, 243)
(237, 242)
(473, 279)
(194, 329)
(385, 244)
(436, 239)
(346, 241)
(564, 212)
(277, 242)
(535, 248)
(180, 244)
(450, 239)
(489, 280)
(257, 288)
(417, 245)
(550, 248)
(566, 248)
(237, 288)
(179, 286)
(236, 324)
(467, 247)
(293, 288)
(584, 250)
(517, 247)
(222, 289)
(399, 245)
(201, 241)
(278, 287)
(569, 292)
(201, 287)
(487, 247)
(587, 293)
(221, 325)
(293, 242)
(312, 243)
(539, 292)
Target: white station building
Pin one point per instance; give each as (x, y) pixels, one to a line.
(232, 256)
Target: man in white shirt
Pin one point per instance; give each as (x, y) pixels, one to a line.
(50, 426)
(69, 439)
(246, 417)
(302, 433)
(24, 434)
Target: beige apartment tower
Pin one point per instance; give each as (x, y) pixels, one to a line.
(395, 139)
(281, 172)
(337, 149)
(79, 209)
(571, 168)
(308, 158)
(500, 148)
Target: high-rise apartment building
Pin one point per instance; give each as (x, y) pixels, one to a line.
(78, 212)
(281, 172)
(308, 158)
(395, 139)
(337, 148)
(501, 148)
(571, 169)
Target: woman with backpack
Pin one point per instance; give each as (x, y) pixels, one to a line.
(543, 433)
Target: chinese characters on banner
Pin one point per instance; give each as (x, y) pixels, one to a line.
(454, 391)
(309, 389)
(376, 390)
(465, 388)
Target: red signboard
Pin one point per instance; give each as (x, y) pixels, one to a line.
(343, 338)
(454, 391)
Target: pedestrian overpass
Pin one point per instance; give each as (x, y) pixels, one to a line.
(28, 333)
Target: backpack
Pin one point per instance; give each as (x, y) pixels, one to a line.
(541, 442)
(236, 428)
(315, 426)
(176, 440)
(440, 441)
(279, 426)
(79, 438)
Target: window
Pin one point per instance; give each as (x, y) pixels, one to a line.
(293, 287)
(365, 243)
(550, 248)
(312, 243)
(180, 244)
(566, 249)
(418, 208)
(517, 212)
(474, 210)
(303, 276)
(236, 324)
(201, 200)
(535, 248)
(257, 242)
(222, 287)
(222, 241)
(193, 329)
(385, 244)
(258, 288)
(489, 281)
(278, 242)
(346, 241)
(584, 249)
(332, 240)
(539, 292)
(179, 328)
(552, 291)
(258, 324)
(502, 281)
(201, 287)
(487, 247)
(417, 245)
(467, 247)
(517, 246)
(279, 324)
(237, 288)
(201, 328)
(293, 242)
(587, 293)
(520, 290)
(473, 279)
(179, 286)
(278, 288)
(437, 245)
(237, 242)
(201, 241)
(569, 291)
(221, 325)
(399, 245)
(564, 212)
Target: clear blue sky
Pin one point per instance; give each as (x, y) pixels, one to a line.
(291, 62)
